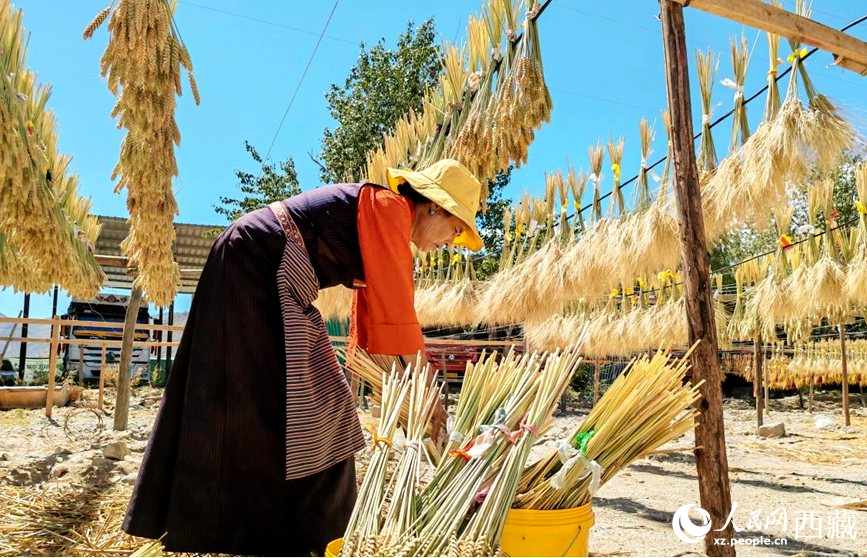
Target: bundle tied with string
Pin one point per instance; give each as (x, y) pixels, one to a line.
(707, 64)
(142, 64)
(617, 207)
(642, 187)
(363, 532)
(647, 406)
(740, 60)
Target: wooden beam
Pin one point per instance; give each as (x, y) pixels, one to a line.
(710, 453)
(849, 52)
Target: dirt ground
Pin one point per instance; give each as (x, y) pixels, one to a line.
(60, 494)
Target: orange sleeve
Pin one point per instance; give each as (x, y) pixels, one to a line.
(383, 313)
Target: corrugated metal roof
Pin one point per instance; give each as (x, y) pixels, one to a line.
(192, 245)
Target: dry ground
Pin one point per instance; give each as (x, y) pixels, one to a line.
(59, 495)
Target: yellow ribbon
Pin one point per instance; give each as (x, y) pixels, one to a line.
(861, 207)
(522, 228)
(456, 258)
(376, 438)
(785, 241)
(665, 275)
(641, 284)
(797, 54)
(577, 205)
(615, 168)
(614, 293)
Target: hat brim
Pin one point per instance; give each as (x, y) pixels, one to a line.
(469, 238)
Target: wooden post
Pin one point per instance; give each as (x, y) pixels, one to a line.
(842, 329)
(121, 408)
(711, 459)
(861, 390)
(758, 363)
(596, 382)
(52, 365)
(81, 365)
(101, 375)
(810, 396)
(22, 347)
(766, 381)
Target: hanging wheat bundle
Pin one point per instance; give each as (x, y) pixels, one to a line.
(142, 64)
(577, 184)
(772, 100)
(642, 188)
(740, 59)
(707, 65)
(596, 178)
(615, 153)
(829, 134)
(856, 278)
(647, 406)
(827, 278)
(334, 303)
(48, 234)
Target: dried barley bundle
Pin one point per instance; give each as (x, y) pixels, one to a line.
(47, 232)
(646, 406)
(707, 65)
(615, 153)
(642, 199)
(740, 60)
(334, 303)
(577, 184)
(856, 277)
(596, 178)
(143, 63)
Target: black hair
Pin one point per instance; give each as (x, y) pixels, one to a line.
(407, 191)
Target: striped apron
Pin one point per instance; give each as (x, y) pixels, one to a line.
(322, 426)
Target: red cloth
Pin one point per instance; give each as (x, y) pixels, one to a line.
(383, 312)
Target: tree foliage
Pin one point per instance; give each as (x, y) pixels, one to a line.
(382, 86)
(273, 183)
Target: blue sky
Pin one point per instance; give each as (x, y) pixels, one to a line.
(603, 62)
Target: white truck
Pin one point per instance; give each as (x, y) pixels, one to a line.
(109, 309)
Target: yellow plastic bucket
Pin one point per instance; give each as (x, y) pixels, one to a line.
(334, 547)
(547, 532)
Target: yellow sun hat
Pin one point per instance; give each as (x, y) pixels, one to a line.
(451, 186)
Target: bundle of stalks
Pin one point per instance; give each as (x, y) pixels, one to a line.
(483, 468)
(596, 178)
(856, 277)
(401, 494)
(829, 134)
(740, 60)
(334, 303)
(45, 224)
(142, 64)
(647, 406)
(481, 537)
(827, 279)
(707, 65)
(770, 303)
(772, 100)
(362, 537)
(615, 153)
(642, 188)
(577, 184)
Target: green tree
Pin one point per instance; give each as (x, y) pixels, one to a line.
(382, 86)
(490, 224)
(274, 183)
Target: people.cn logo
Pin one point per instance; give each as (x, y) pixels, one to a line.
(685, 529)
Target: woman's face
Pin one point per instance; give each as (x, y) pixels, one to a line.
(430, 232)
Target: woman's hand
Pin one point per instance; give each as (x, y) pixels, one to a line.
(437, 421)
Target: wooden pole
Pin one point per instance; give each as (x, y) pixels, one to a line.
(22, 348)
(711, 459)
(101, 375)
(52, 365)
(861, 390)
(596, 382)
(759, 361)
(121, 408)
(766, 381)
(810, 396)
(842, 329)
(81, 365)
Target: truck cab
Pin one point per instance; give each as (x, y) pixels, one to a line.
(110, 310)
